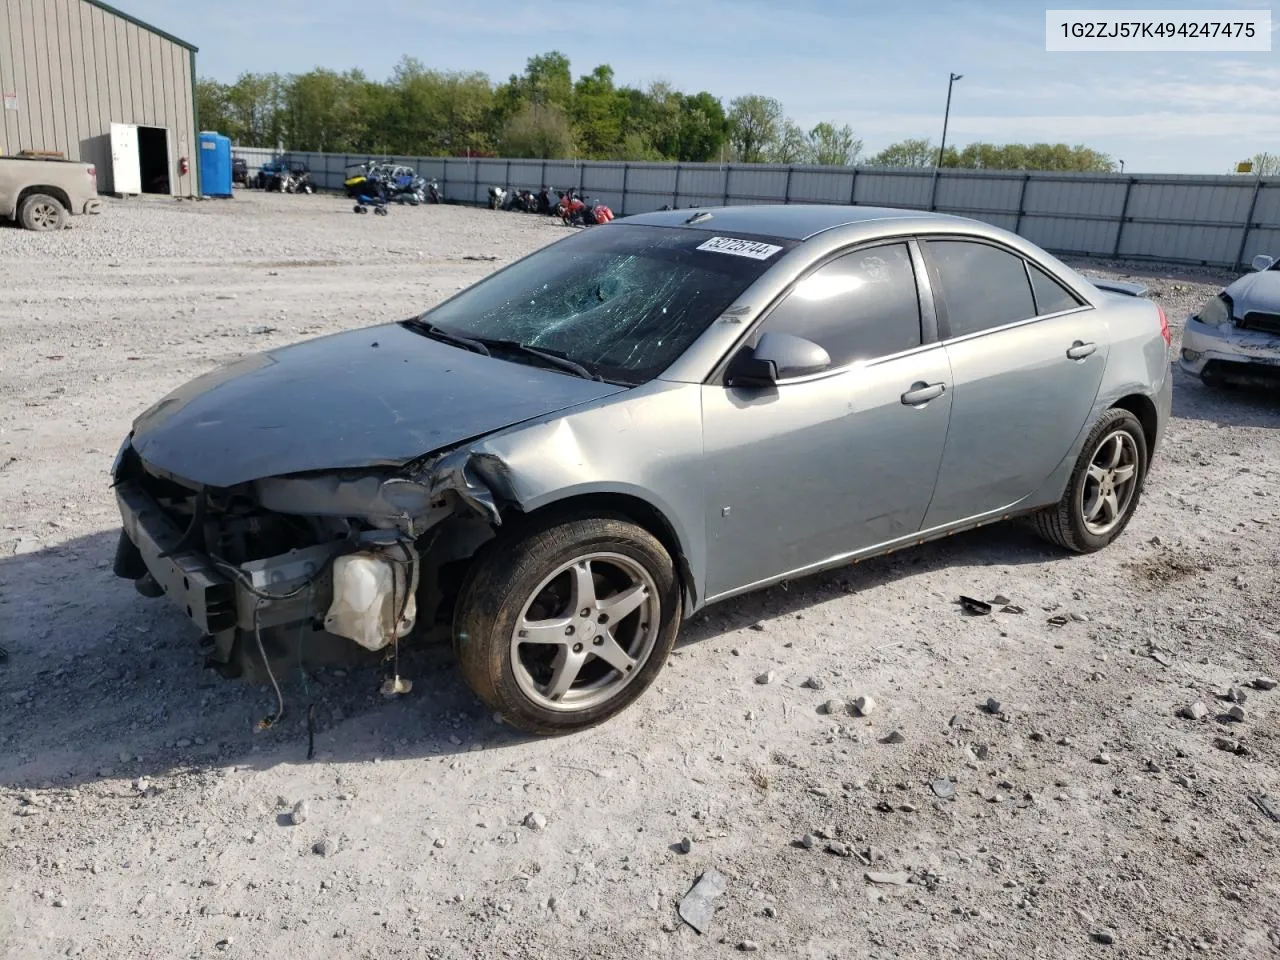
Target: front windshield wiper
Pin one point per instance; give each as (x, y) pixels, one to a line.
(553, 357)
(429, 329)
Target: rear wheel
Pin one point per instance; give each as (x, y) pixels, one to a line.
(1105, 486)
(42, 212)
(567, 625)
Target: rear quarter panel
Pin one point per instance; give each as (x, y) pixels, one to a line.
(1138, 364)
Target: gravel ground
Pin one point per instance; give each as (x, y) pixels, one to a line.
(145, 815)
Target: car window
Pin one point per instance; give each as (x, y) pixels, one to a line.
(1051, 296)
(623, 300)
(980, 286)
(860, 306)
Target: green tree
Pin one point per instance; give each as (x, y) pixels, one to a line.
(539, 132)
(704, 128)
(598, 111)
(833, 147)
(907, 153)
(791, 146)
(755, 123)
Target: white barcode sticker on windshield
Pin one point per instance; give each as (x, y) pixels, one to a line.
(740, 248)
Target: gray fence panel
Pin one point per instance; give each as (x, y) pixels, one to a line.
(1221, 220)
(1198, 244)
(972, 194)
(821, 185)
(701, 181)
(1067, 196)
(525, 175)
(1209, 203)
(757, 184)
(900, 188)
(1092, 237)
(650, 187)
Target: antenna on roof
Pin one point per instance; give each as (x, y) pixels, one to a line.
(699, 217)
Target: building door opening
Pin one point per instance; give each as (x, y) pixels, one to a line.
(153, 159)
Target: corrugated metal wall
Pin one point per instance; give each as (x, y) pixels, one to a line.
(69, 69)
(1222, 221)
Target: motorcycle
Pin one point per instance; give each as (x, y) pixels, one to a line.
(497, 198)
(433, 191)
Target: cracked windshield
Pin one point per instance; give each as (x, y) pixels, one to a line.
(623, 302)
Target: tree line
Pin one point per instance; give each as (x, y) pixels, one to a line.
(543, 113)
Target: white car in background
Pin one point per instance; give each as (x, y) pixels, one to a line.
(1235, 337)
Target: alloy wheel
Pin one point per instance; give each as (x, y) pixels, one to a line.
(1110, 483)
(586, 631)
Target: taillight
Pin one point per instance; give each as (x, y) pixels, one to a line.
(1164, 326)
(92, 171)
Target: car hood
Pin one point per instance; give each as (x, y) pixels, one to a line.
(381, 395)
(1256, 292)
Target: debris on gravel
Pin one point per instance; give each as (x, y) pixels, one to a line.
(834, 708)
(1195, 711)
(889, 879)
(1264, 683)
(766, 678)
(864, 706)
(698, 907)
(300, 813)
(895, 737)
(994, 707)
(535, 821)
(814, 683)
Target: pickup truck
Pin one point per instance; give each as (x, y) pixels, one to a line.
(41, 193)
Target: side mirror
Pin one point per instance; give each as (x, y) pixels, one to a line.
(778, 356)
(1263, 262)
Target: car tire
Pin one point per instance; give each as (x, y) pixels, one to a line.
(41, 212)
(557, 581)
(1104, 489)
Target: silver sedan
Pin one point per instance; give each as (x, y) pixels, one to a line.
(566, 459)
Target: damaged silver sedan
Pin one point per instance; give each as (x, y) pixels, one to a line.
(563, 461)
(1235, 337)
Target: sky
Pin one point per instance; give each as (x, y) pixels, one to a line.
(881, 67)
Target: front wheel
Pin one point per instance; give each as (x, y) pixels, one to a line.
(1105, 486)
(566, 625)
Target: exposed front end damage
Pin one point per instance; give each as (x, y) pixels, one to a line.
(1235, 337)
(313, 569)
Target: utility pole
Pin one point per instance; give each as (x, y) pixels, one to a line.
(933, 186)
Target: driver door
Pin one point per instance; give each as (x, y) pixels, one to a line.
(815, 467)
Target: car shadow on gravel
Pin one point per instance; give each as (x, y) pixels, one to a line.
(1227, 406)
(101, 684)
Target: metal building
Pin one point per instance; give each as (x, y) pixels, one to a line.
(82, 80)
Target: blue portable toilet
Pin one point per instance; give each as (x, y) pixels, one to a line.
(215, 164)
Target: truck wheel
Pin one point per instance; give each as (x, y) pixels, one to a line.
(42, 212)
(567, 623)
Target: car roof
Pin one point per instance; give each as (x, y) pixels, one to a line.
(793, 221)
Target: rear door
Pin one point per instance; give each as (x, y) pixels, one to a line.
(126, 168)
(1027, 358)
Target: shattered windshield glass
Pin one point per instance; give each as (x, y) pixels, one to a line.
(622, 300)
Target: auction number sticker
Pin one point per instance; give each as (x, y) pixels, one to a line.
(740, 248)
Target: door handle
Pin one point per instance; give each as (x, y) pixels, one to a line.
(1079, 350)
(921, 393)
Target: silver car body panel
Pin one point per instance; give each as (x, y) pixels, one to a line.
(754, 500)
(758, 486)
